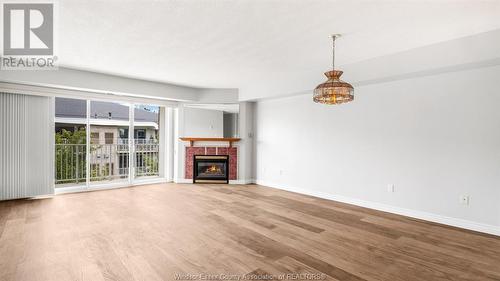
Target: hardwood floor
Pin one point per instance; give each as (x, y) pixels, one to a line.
(155, 232)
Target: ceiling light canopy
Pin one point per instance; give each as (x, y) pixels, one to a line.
(334, 90)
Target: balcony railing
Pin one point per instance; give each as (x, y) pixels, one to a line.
(107, 161)
(138, 141)
(70, 163)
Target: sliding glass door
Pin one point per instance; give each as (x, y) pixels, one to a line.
(100, 143)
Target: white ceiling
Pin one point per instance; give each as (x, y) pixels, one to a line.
(254, 45)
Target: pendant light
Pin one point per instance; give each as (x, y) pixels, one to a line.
(334, 90)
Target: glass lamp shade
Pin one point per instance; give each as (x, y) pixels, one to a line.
(334, 90)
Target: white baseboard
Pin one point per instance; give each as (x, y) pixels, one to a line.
(461, 223)
(183, 181)
(247, 181)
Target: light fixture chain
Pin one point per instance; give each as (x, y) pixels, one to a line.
(333, 51)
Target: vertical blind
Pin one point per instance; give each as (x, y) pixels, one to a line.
(26, 146)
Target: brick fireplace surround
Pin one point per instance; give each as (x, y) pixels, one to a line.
(208, 150)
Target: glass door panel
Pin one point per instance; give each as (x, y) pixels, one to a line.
(70, 142)
(109, 142)
(146, 140)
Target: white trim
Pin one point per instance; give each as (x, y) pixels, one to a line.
(246, 181)
(52, 160)
(87, 145)
(163, 142)
(141, 181)
(456, 222)
(131, 151)
(106, 186)
(178, 148)
(210, 144)
(169, 142)
(105, 122)
(183, 181)
(69, 189)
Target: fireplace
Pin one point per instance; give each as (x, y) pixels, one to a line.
(211, 169)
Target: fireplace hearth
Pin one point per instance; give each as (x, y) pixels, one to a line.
(211, 169)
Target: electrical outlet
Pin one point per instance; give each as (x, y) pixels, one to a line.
(391, 187)
(465, 200)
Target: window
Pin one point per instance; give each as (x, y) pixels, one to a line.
(95, 171)
(123, 133)
(140, 134)
(109, 138)
(94, 137)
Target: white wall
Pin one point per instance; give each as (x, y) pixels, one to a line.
(231, 125)
(246, 144)
(203, 123)
(436, 138)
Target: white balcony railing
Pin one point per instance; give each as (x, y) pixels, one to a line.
(70, 163)
(107, 161)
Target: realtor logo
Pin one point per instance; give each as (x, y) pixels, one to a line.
(28, 37)
(28, 29)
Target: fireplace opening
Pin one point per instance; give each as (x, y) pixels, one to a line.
(211, 169)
